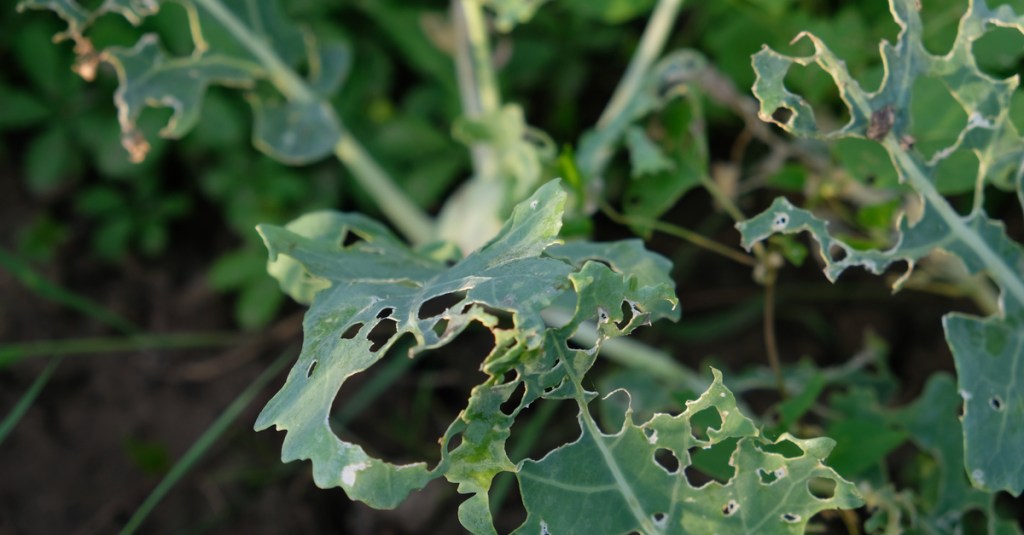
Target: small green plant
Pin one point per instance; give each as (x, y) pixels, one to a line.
(507, 253)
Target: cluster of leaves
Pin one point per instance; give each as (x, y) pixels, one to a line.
(367, 290)
(614, 479)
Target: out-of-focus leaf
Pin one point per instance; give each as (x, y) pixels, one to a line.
(646, 157)
(238, 44)
(512, 12)
(609, 11)
(985, 357)
(49, 161)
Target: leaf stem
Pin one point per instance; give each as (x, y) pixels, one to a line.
(416, 225)
(283, 78)
(651, 44)
(695, 238)
(478, 87)
(1008, 278)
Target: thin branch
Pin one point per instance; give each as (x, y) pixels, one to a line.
(680, 232)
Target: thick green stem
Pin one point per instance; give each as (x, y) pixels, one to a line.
(406, 215)
(651, 44)
(478, 87)
(396, 205)
(1007, 277)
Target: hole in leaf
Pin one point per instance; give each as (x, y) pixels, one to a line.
(823, 488)
(352, 331)
(435, 306)
(666, 459)
(455, 442)
(627, 315)
(703, 420)
(385, 313)
(786, 448)
(771, 476)
(574, 345)
(381, 334)
(510, 513)
(792, 518)
(936, 118)
(512, 403)
(731, 507)
(505, 320)
(996, 403)
(350, 239)
(440, 326)
(998, 51)
(836, 252)
(309, 371)
(782, 115)
(713, 462)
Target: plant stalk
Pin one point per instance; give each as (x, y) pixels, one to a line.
(651, 44)
(416, 225)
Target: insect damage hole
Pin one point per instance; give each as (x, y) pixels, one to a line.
(660, 520)
(667, 460)
(792, 518)
(435, 306)
(309, 371)
(381, 334)
(352, 331)
(836, 252)
(996, 403)
(779, 221)
(730, 508)
(822, 488)
(782, 115)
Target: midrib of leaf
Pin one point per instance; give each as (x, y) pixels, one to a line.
(1004, 274)
(646, 525)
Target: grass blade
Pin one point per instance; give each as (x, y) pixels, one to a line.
(21, 407)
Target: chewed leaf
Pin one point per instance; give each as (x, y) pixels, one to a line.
(357, 275)
(982, 244)
(148, 76)
(989, 355)
(617, 485)
(233, 45)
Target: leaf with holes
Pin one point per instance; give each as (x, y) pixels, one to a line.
(615, 482)
(235, 44)
(368, 289)
(985, 357)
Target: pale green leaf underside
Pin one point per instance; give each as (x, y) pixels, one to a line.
(612, 484)
(981, 243)
(293, 130)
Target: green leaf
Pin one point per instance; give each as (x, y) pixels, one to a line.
(982, 244)
(512, 12)
(377, 280)
(238, 44)
(989, 355)
(644, 155)
(614, 482)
